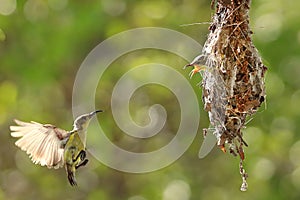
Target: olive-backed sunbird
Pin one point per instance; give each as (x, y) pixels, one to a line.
(53, 147)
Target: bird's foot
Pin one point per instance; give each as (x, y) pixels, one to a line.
(81, 155)
(83, 163)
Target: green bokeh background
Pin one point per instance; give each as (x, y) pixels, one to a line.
(43, 44)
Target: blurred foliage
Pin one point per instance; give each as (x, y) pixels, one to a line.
(42, 45)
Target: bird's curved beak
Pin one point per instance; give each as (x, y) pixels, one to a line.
(94, 113)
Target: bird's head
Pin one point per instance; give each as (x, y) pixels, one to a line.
(83, 121)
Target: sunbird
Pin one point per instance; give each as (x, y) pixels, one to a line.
(53, 147)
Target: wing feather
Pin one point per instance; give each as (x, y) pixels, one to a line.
(43, 143)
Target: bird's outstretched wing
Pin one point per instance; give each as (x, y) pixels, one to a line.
(42, 142)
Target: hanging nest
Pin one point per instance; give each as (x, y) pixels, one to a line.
(233, 76)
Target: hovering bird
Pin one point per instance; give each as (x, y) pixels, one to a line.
(53, 147)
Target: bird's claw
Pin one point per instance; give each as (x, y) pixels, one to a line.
(81, 155)
(83, 163)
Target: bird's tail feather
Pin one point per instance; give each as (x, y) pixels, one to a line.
(71, 175)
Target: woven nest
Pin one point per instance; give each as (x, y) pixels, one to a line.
(233, 79)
